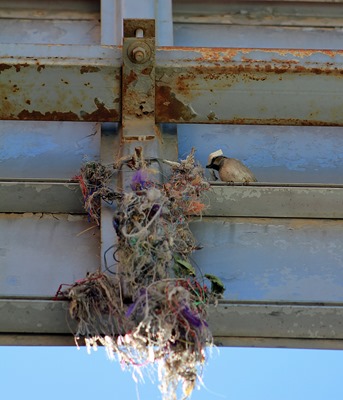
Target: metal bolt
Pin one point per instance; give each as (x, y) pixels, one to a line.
(139, 54)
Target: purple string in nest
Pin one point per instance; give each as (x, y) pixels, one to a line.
(139, 180)
(132, 307)
(192, 318)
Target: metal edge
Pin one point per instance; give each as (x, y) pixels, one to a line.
(235, 324)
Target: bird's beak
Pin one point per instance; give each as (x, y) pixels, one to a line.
(209, 166)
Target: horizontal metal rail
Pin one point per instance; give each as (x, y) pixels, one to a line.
(255, 200)
(249, 86)
(46, 197)
(259, 13)
(275, 201)
(193, 85)
(264, 324)
(60, 83)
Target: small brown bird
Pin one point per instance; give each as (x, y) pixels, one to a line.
(229, 169)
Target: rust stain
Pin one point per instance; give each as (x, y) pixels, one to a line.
(228, 71)
(147, 71)
(224, 54)
(137, 138)
(183, 83)
(101, 113)
(131, 25)
(278, 121)
(6, 108)
(40, 67)
(129, 78)
(48, 116)
(253, 60)
(3, 67)
(212, 116)
(19, 66)
(85, 69)
(169, 108)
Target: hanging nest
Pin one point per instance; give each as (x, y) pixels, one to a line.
(150, 311)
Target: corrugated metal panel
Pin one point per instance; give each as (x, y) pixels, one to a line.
(283, 276)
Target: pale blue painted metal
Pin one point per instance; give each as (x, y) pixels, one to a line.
(48, 31)
(38, 252)
(210, 35)
(279, 260)
(274, 153)
(52, 150)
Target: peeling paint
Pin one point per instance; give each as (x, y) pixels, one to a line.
(41, 187)
(86, 69)
(3, 67)
(171, 108)
(48, 116)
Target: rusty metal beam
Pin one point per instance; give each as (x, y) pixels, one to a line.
(60, 83)
(249, 86)
(193, 85)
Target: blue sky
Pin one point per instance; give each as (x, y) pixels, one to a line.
(56, 373)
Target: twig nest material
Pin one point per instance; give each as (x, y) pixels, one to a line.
(153, 194)
(150, 307)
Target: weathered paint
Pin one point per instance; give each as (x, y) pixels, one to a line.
(78, 88)
(202, 85)
(138, 81)
(276, 87)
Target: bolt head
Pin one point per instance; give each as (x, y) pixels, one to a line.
(139, 54)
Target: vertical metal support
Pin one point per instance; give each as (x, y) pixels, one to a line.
(111, 22)
(138, 80)
(138, 99)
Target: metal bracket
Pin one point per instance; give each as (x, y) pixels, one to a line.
(138, 80)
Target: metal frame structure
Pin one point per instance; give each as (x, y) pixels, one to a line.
(142, 85)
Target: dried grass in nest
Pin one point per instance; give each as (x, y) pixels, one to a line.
(166, 324)
(150, 236)
(151, 311)
(93, 179)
